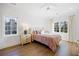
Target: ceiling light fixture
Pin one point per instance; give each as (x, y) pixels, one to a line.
(48, 8)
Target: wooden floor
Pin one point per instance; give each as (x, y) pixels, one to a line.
(68, 49)
(37, 49)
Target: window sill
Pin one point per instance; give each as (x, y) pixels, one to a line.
(11, 35)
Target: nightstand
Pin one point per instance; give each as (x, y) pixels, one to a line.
(78, 46)
(25, 39)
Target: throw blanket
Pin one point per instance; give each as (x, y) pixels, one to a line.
(52, 41)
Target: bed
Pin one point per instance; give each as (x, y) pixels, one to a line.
(52, 41)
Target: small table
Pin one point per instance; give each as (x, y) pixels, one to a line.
(25, 39)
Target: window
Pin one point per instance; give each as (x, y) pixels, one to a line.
(61, 27)
(56, 27)
(10, 26)
(64, 27)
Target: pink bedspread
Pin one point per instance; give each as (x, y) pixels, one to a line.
(52, 41)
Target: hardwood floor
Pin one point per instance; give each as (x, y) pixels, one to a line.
(67, 49)
(37, 49)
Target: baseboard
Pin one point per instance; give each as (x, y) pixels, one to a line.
(10, 47)
(72, 41)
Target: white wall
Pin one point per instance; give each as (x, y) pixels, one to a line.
(73, 29)
(6, 41)
(0, 22)
(0, 25)
(26, 15)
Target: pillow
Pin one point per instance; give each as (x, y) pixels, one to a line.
(36, 32)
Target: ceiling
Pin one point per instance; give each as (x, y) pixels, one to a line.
(45, 9)
(50, 9)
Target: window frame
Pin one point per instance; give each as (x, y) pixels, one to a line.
(60, 25)
(10, 17)
(64, 29)
(56, 29)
